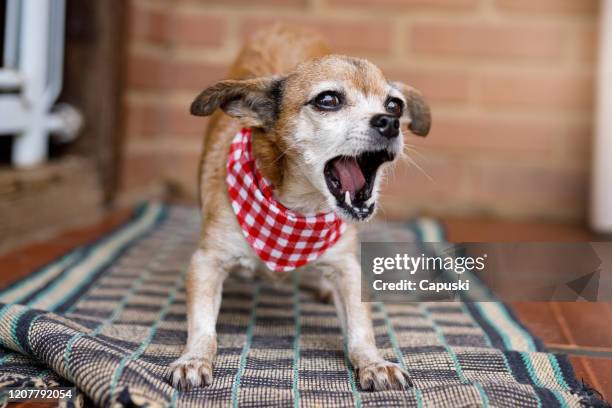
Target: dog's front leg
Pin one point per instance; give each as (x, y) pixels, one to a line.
(373, 371)
(204, 286)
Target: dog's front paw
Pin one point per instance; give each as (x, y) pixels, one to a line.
(189, 372)
(382, 376)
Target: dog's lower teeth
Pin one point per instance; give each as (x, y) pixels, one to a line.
(347, 199)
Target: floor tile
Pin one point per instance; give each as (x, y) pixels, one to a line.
(540, 318)
(588, 324)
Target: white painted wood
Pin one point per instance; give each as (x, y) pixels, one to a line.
(14, 115)
(601, 198)
(9, 80)
(11, 33)
(32, 73)
(30, 147)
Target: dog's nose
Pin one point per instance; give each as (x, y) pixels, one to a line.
(387, 125)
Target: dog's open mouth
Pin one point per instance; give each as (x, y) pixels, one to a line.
(351, 179)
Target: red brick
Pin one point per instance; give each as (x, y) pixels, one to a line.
(550, 6)
(438, 85)
(250, 3)
(194, 75)
(408, 5)
(438, 180)
(164, 73)
(199, 30)
(166, 27)
(147, 72)
(535, 189)
(587, 43)
(481, 160)
(474, 135)
(133, 119)
(486, 40)
(181, 123)
(181, 169)
(151, 25)
(140, 169)
(547, 91)
(577, 142)
(344, 36)
(146, 121)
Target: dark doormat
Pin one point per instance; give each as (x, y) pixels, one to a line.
(109, 318)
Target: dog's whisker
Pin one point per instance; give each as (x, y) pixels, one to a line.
(412, 149)
(416, 165)
(283, 154)
(381, 209)
(408, 150)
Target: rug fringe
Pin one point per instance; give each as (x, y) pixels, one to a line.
(590, 397)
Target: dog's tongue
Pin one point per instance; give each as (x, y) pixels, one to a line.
(350, 175)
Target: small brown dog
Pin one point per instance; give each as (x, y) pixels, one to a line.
(322, 128)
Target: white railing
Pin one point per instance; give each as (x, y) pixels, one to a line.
(31, 80)
(601, 197)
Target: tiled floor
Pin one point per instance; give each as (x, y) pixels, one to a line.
(19, 263)
(582, 330)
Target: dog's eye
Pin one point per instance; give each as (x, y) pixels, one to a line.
(394, 106)
(328, 100)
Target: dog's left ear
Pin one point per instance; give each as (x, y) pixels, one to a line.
(257, 101)
(416, 108)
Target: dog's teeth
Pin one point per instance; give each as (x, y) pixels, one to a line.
(347, 199)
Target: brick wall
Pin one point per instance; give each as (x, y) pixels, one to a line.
(510, 83)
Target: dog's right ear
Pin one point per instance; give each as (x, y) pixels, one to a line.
(257, 101)
(416, 108)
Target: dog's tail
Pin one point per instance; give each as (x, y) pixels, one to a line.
(276, 50)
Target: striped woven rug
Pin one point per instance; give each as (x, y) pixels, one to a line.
(109, 317)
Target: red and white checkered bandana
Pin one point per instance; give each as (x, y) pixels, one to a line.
(283, 239)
